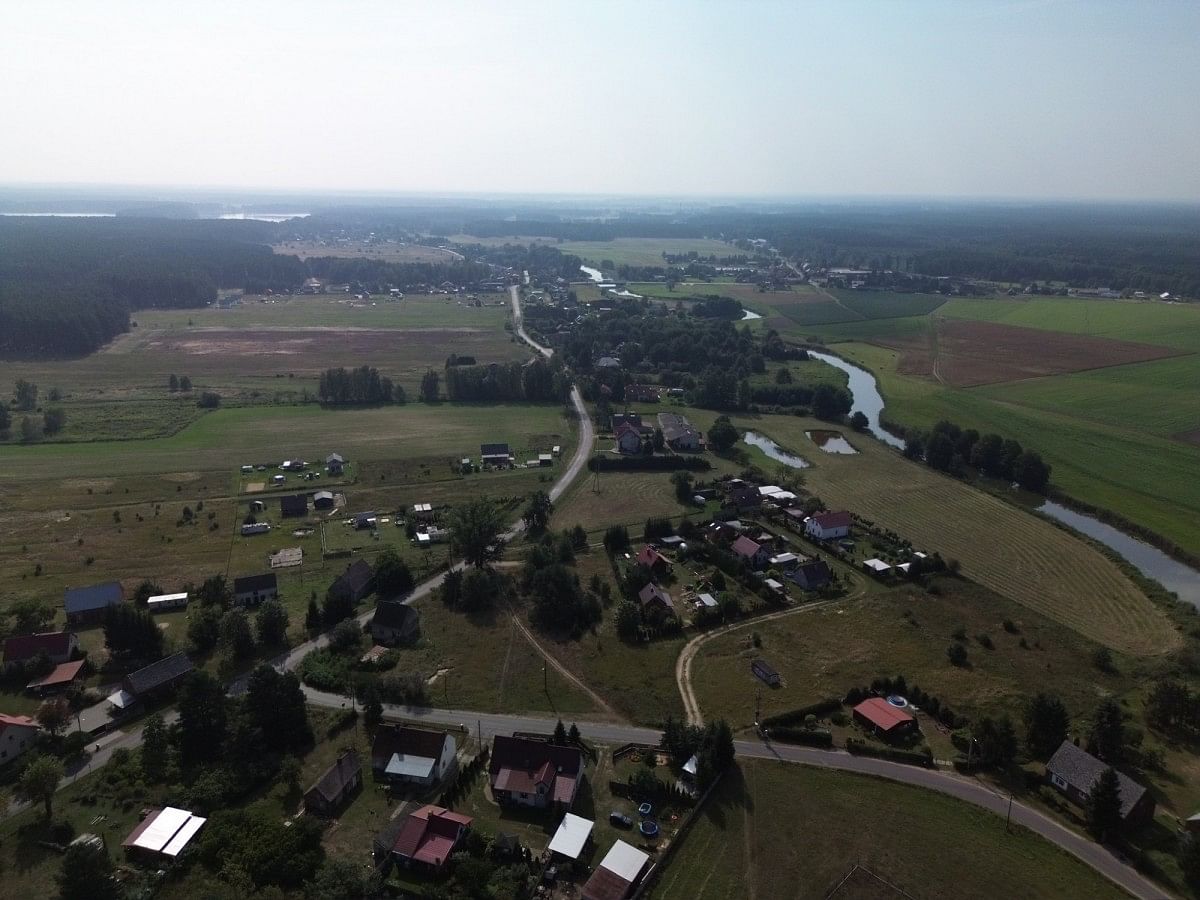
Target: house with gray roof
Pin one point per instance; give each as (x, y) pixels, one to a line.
(1074, 772)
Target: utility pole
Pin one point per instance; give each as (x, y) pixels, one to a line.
(1008, 818)
(545, 680)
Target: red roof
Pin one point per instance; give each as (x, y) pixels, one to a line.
(882, 714)
(840, 519)
(64, 673)
(7, 721)
(743, 546)
(27, 646)
(429, 835)
(649, 557)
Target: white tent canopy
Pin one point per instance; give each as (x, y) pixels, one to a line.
(571, 836)
(625, 861)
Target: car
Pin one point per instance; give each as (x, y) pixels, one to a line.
(620, 820)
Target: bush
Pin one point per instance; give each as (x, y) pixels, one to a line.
(796, 716)
(912, 757)
(209, 400)
(957, 654)
(811, 737)
(648, 463)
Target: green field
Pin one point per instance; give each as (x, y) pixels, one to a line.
(924, 843)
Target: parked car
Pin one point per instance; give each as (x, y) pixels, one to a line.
(620, 820)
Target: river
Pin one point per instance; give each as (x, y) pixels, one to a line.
(1183, 580)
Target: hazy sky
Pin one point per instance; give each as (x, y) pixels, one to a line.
(990, 98)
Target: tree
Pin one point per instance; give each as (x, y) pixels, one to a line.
(344, 879)
(452, 587)
(430, 382)
(1104, 807)
(202, 718)
(53, 715)
(616, 539)
(30, 431)
(684, 485)
(392, 575)
(1189, 862)
(214, 592)
(573, 736)
(830, 403)
(173, 383)
(1031, 472)
(275, 705)
(144, 592)
(209, 400)
(25, 395)
(155, 748)
(783, 375)
(5, 419)
(957, 654)
(131, 633)
(87, 874)
(579, 537)
(1107, 738)
(475, 528)
(859, 421)
(1046, 725)
(559, 738)
(204, 628)
(185, 383)
(236, 637)
(537, 512)
(39, 780)
(997, 741)
(30, 614)
(722, 435)
(271, 622)
(53, 420)
(346, 637)
(372, 706)
(628, 619)
(312, 618)
(939, 454)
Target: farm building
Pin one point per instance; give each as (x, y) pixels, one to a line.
(335, 786)
(158, 678)
(404, 755)
(162, 835)
(323, 500)
(826, 526)
(18, 734)
(885, 720)
(293, 506)
(629, 439)
(573, 835)
(355, 583)
(497, 455)
(395, 623)
(752, 553)
(654, 597)
(422, 512)
(59, 679)
(766, 672)
(678, 432)
(618, 875)
(811, 575)
(876, 567)
(1073, 772)
(163, 602)
(429, 837)
(251, 590)
(335, 464)
(58, 647)
(86, 605)
(534, 773)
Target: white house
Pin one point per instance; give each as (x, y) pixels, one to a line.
(826, 526)
(404, 755)
(18, 734)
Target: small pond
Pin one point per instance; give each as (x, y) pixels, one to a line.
(773, 450)
(831, 442)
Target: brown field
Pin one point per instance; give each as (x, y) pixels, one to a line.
(312, 344)
(964, 353)
(389, 251)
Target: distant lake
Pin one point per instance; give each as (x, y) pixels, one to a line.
(265, 217)
(773, 450)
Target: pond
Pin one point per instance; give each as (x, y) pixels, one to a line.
(773, 450)
(831, 442)
(865, 392)
(748, 314)
(593, 274)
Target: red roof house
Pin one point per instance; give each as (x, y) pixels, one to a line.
(884, 719)
(429, 836)
(629, 439)
(534, 773)
(652, 560)
(17, 734)
(751, 552)
(58, 646)
(825, 526)
(62, 675)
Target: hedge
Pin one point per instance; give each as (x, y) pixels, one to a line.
(814, 737)
(796, 716)
(913, 757)
(648, 463)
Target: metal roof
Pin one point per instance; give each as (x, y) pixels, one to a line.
(571, 836)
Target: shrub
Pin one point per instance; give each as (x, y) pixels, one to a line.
(957, 654)
(796, 716)
(895, 754)
(812, 737)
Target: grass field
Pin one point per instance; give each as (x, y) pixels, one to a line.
(922, 842)
(998, 544)
(619, 251)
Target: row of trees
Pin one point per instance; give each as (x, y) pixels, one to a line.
(341, 386)
(950, 448)
(539, 380)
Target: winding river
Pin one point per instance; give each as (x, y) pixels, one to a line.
(1175, 576)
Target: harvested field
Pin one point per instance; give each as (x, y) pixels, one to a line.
(367, 342)
(964, 353)
(389, 251)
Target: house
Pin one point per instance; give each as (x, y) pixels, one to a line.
(825, 526)
(62, 677)
(429, 837)
(18, 734)
(495, 455)
(293, 506)
(766, 672)
(653, 560)
(364, 520)
(335, 786)
(159, 677)
(752, 553)
(401, 754)
(744, 497)
(811, 575)
(323, 500)
(164, 602)
(678, 432)
(57, 646)
(628, 418)
(335, 464)
(355, 583)
(785, 562)
(654, 597)
(618, 875)
(629, 439)
(534, 773)
(395, 623)
(608, 362)
(885, 720)
(1074, 771)
(641, 393)
(86, 605)
(251, 590)
(422, 512)
(162, 835)
(573, 834)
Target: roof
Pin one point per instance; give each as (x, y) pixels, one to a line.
(743, 546)
(394, 614)
(649, 557)
(293, 505)
(166, 598)
(322, 495)
(96, 596)
(356, 577)
(7, 721)
(608, 362)
(617, 872)
(707, 599)
(840, 519)
(493, 449)
(572, 836)
(64, 673)
(626, 428)
(652, 593)
(520, 764)
(27, 646)
(1081, 770)
(334, 781)
(253, 583)
(876, 565)
(334, 458)
(429, 834)
(406, 742)
(121, 699)
(675, 426)
(882, 714)
(761, 665)
(159, 673)
(166, 831)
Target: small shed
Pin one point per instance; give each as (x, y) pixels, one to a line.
(766, 672)
(572, 836)
(323, 500)
(163, 602)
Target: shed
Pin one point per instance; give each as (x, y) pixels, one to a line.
(335, 785)
(886, 720)
(323, 500)
(62, 676)
(86, 605)
(572, 836)
(765, 671)
(163, 602)
(618, 874)
(164, 833)
(876, 567)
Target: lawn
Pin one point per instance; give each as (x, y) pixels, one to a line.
(922, 842)
(998, 544)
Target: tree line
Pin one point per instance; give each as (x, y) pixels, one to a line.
(949, 448)
(341, 386)
(539, 380)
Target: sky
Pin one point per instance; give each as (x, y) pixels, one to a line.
(973, 98)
